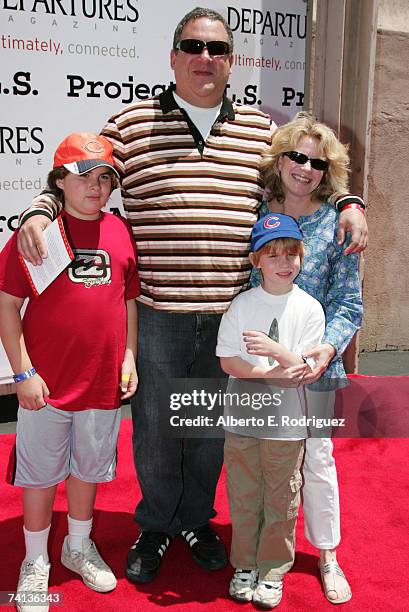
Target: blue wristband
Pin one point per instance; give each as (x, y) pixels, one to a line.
(24, 375)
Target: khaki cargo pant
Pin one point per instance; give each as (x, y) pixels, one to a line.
(263, 487)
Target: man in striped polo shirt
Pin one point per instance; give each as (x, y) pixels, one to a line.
(189, 164)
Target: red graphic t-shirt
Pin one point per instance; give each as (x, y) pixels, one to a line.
(75, 331)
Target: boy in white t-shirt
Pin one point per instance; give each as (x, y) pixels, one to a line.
(263, 335)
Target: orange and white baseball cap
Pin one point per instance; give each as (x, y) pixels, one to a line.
(81, 152)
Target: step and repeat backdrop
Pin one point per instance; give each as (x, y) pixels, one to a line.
(68, 65)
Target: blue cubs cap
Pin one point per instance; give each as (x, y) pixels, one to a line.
(274, 226)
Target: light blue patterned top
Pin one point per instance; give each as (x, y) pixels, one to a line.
(331, 277)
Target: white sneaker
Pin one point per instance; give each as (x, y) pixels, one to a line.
(89, 565)
(242, 584)
(32, 582)
(267, 594)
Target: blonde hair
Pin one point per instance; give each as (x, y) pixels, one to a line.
(287, 138)
(278, 246)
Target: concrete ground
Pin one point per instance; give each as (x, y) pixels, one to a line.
(381, 363)
(384, 363)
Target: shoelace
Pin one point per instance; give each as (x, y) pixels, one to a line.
(271, 585)
(244, 577)
(150, 542)
(34, 577)
(92, 560)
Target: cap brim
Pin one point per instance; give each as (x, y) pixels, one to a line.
(262, 241)
(85, 165)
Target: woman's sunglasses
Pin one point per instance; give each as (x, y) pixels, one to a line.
(301, 158)
(195, 47)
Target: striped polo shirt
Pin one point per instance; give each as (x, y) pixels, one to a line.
(191, 203)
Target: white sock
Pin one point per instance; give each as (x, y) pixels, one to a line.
(36, 544)
(77, 532)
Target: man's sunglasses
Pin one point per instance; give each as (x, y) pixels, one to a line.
(300, 158)
(195, 47)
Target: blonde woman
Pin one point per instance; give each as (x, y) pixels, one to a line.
(304, 167)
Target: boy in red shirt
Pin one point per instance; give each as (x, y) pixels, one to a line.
(73, 355)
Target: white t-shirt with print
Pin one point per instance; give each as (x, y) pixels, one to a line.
(299, 326)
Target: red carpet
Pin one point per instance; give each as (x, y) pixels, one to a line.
(374, 484)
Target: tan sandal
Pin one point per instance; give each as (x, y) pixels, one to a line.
(333, 568)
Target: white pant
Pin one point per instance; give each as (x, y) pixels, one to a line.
(320, 494)
(320, 490)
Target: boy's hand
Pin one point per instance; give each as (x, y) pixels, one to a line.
(32, 393)
(287, 377)
(322, 355)
(129, 378)
(258, 343)
(30, 239)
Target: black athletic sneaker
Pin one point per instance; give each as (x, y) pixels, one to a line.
(207, 548)
(145, 556)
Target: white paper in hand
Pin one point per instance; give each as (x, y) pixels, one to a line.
(59, 256)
